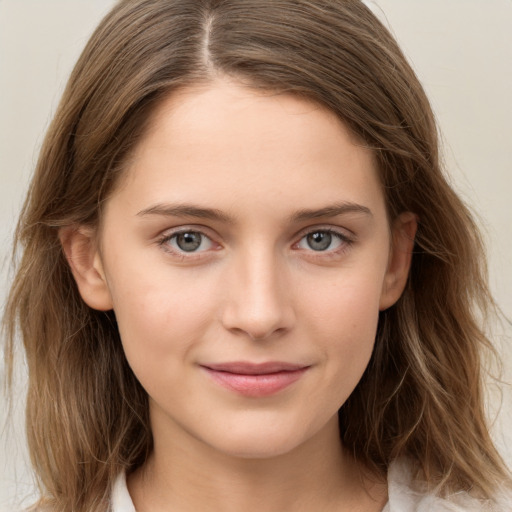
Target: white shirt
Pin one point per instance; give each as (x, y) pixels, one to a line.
(402, 498)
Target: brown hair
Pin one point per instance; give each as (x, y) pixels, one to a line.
(421, 395)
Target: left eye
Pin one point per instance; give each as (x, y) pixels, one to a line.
(189, 241)
(321, 241)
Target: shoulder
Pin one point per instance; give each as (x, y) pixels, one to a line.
(405, 495)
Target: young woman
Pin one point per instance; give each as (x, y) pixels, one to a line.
(246, 283)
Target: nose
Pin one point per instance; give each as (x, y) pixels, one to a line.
(258, 298)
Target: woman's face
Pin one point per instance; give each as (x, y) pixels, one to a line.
(246, 255)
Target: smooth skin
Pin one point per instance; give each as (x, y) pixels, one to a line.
(252, 227)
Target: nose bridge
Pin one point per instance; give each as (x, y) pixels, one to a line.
(258, 301)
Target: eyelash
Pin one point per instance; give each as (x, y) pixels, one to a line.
(344, 240)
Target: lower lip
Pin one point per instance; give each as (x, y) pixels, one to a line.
(256, 385)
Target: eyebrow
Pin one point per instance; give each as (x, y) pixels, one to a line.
(331, 211)
(185, 210)
(190, 210)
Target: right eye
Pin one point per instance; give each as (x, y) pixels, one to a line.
(187, 242)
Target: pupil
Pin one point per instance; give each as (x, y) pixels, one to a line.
(188, 241)
(319, 241)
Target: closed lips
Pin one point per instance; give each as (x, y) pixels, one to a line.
(243, 368)
(255, 380)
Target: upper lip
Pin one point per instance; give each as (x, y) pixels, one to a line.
(246, 368)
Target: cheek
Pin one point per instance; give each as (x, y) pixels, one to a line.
(352, 329)
(348, 301)
(161, 316)
(344, 317)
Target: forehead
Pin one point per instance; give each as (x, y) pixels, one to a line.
(227, 144)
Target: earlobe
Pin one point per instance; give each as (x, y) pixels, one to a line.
(78, 244)
(403, 233)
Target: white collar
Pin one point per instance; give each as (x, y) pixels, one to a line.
(121, 500)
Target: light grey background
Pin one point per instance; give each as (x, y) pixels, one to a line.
(461, 50)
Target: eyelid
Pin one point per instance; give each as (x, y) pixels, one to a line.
(186, 228)
(344, 233)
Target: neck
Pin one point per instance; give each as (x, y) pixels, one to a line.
(318, 475)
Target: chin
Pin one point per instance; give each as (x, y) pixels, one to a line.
(260, 441)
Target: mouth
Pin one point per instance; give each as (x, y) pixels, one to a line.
(255, 380)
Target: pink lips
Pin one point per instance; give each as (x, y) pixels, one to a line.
(255, 380)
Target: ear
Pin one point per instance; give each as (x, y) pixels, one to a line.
(403, 232)
(85, 262)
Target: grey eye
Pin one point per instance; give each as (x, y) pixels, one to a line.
(319, 240)
(189, 241)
